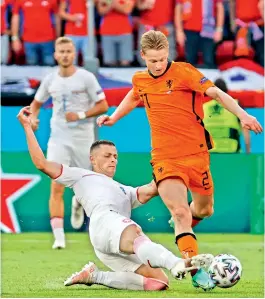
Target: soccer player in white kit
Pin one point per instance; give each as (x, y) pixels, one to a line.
(117, 240)
(77, 98)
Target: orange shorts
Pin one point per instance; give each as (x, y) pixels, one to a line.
(194, 170)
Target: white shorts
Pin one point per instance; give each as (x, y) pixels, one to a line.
(105, 229)
(74, 154)
(116, 262)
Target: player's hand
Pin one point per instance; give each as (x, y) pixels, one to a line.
(105, 120)
(35, 124)
(181, 38)
(24, 116)
(250, 122)
(154, 188)
(16, 45)
(71, 116)
(218, 36)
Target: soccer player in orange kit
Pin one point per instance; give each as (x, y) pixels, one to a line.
(173, 93)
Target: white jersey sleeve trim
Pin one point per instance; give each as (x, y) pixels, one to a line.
(135, 198)
(101, 95)
(60, 173)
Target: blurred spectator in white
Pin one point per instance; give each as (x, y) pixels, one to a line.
(199, 26)
(116, 31)
(157, 15)
(5, 4)
(40, 25)
(74, 12)
(224, 127)
(248, 23)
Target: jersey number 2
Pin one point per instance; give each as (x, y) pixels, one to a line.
(205, 180)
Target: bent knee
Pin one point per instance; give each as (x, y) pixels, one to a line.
(181, 213)
(206, 212)
(151, 284)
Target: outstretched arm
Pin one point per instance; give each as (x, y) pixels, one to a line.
(126, 106)
(52, 169)
(247, 121)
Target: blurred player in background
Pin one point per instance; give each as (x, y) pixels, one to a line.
(77, 98)
(224, 126)
(117, 240)
(172, 94)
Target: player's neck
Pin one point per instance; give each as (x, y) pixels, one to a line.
(67, 72)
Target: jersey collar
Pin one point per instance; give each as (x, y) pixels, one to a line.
(168, 66)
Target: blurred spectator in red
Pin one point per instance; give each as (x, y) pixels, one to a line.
(199, 26)
(248, 24)
(116, 31)
(39, 23)
(5, 5)
(74, 12)
(157, 15)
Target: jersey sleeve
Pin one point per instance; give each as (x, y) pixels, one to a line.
(133, 193)
(136, 95)
(195, 80)
(94, 90)
(54, 6)
(69, 176)
(16, 7)
(42, 94)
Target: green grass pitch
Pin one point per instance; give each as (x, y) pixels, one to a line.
(30, 268)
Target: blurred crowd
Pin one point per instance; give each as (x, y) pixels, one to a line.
(195, 29)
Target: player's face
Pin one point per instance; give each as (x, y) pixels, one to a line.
(65, 54)
(156, 60)
(104, 159)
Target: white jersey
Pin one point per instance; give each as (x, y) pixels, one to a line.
(98, 193)
(77, 93)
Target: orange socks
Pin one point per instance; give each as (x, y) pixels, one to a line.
(187, 244)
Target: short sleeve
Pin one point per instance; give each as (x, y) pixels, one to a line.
(16, 7)
(136, 95)
(94, 90)
(133, 193)
(195, 80)
(42, 94)
(69, 176)
(54, 6)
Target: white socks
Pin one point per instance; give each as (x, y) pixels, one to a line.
(128, 281)
(57, 228)
(120, 280)
(153, 254)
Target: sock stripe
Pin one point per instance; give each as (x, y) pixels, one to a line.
(56, 222)
(197, 218)
(183, 235)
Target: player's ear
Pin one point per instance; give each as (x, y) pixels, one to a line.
(92, 160)
(142, 54)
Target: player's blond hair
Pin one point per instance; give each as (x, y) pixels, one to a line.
(153, 40)
(63, 40)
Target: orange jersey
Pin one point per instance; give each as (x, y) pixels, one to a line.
(174, 107)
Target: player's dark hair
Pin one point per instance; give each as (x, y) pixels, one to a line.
(98, 143)
(220, 83)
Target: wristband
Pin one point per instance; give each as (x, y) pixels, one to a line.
(14, 37)
(81, 115)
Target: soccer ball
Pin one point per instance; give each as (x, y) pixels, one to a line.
(226, 270)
